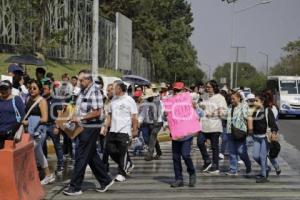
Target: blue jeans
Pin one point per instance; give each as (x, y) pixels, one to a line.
(38, 133)
(146, 133)
(238, 148)
(275, 163)
(57, 145)
(182, 149)
(224, 144)
(260, 153)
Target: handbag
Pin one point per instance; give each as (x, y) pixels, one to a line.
(269, 132)
(238, 134)
(20, 130)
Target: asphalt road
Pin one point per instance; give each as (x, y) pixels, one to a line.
(290, 130)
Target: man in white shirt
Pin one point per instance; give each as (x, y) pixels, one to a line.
(123, 126)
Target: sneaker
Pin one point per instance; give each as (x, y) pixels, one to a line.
(193, 179)
(129, 168)
(213, 171)
(177, 184)
(248, 173)
(104, 189)
(70, 191)
(148, 158)
(240, 162)
(59, 171)
(231, 173)
(48, 179)
(278, 172)
(206, 167)
(221, 156)
(157, 156)
(120, 178)
(262, 180)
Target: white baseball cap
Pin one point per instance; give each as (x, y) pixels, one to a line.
(250, 96)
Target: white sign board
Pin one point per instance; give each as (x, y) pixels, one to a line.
(123, 42)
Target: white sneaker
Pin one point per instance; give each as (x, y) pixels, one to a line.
(48, 179)
(221, 156)
(120, 178)
(240, 162)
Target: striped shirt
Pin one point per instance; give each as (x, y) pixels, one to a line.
(88, 100)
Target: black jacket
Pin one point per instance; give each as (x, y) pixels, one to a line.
(260, 122)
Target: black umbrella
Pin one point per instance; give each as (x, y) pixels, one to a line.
(26, 60)
(137, 80)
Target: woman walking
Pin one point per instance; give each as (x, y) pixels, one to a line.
(263, 119)
(36, 121)
(238, 122)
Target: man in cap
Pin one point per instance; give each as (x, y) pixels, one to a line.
(182, 148)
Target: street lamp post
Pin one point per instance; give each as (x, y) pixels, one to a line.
(262, 2)
(209, 70)
(267, 62)
(95, 37)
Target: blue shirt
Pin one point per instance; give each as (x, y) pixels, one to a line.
(8, 114)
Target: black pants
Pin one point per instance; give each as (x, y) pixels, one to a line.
(214, 138)
(87, 155)
(117, 146)
(104, 151)
(3, 137)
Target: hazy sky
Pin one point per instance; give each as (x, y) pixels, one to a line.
(264, 28)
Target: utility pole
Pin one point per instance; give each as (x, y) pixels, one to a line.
(267, 62)
(95, 37)
(237, 64)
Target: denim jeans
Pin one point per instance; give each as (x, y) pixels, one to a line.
(224, 144)
(238, 148)
(214, 138)
(260, 153)
(38, 133)
(182, 149)
(274, 162)
(57, 145)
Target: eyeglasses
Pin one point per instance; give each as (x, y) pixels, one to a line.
(33, 88)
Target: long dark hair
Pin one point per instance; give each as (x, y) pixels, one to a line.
(214, 85)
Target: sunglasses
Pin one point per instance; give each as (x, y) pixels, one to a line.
(33, 88)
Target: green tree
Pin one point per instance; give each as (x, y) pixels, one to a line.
(290, 63)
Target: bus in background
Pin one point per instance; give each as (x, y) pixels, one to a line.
(287, 94)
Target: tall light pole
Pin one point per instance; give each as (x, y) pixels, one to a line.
(262, 2)
(267, 62)
(95, 37)
(237, 64)
(209, 70)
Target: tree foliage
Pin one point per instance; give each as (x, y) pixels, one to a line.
(247, 76)
(290, 63)
(161, 31)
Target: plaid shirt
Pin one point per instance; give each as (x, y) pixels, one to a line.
(89, 99)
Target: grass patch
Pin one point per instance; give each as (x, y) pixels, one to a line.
(57, 68)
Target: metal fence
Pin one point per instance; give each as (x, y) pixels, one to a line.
(71, 22)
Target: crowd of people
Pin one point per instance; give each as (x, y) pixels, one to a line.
(114, 120)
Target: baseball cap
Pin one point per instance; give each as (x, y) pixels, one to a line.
(250, 96)
(5, 84)
(14, 67)
(178, 85)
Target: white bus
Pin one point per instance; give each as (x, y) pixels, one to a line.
(287, 93)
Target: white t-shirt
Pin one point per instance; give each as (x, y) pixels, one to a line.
(212, 105)
(122, 108)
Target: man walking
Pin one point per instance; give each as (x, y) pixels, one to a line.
(89, 105)
(123, 125)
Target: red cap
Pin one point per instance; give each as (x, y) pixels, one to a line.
(138, 93)
(178, 85)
